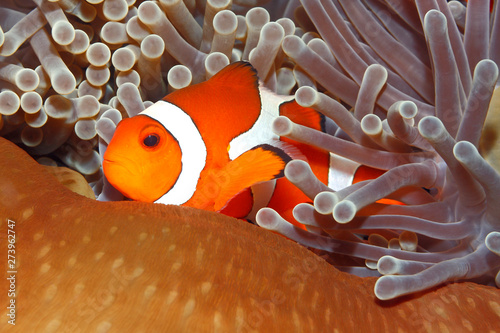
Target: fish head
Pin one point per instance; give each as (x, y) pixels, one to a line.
(143, 159)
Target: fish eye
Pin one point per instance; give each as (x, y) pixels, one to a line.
(151, 140)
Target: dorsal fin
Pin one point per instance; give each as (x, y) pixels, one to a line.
(302, 115)
(224, 106)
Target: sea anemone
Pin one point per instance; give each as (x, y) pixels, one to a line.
(84, 265)
(426, 114)
(418, 76)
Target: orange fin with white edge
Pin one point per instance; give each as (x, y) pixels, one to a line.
(224, 106)
(302, 115)
(259, 164)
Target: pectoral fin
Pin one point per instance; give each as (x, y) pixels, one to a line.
(262, 163)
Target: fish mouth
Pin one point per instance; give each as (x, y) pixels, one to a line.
(120, 165)
(116, 174)
(118, 161)
(108, 161)
(112, 163)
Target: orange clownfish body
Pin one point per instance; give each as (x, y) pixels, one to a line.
(210, 146)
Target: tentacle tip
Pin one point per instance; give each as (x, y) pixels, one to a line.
(63, 32)
(431, 128)
(344, 211)
(434, 20)
(385, 288)
(492, 242)
(148, 12)
(464, 151)
(273, 31)
(297, 170)
(325, 202)
(282, 126)
(371, 124)
(408, 241)
(63, 82)
(306, 96)
(488, 71)
(301, 212)
(377, 68)
(371, 264)
(267, 218)
(408, 110)
(387, 265)
(292, 45)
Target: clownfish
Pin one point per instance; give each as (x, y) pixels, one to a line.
(210, 146)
